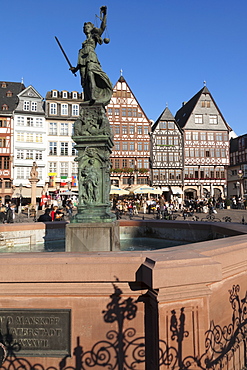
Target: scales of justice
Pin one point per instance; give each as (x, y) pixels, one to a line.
(94, 227)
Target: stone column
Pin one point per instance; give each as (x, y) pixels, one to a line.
(33, 191)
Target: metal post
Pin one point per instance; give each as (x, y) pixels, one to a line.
(151, 322)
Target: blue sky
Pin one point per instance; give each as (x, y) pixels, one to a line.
(166, 49)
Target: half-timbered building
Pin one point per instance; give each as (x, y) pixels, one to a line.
(131, 131)
(206, 146)
(167, 154)
(237, 172)
(8, 99)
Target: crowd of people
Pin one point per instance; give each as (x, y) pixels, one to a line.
(162, 208)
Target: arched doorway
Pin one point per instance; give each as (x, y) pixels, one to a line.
(190, 193)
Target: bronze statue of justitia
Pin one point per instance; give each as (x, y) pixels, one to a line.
(96, 85)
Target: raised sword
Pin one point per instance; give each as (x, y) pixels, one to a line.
(65, 55)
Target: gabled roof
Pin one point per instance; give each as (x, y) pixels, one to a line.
(30, 91)
(122, 79)
(185, 111)
(15, 88)
(166, 115)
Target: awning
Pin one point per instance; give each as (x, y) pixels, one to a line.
(165, 188)
(176, 190)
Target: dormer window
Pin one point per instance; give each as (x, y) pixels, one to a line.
(65, 94)
(74, 95)
(9, 94)
(54, 93)
(4, 85)
(5, 107)
(26, 105)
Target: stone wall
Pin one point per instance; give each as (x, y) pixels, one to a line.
(200, 289)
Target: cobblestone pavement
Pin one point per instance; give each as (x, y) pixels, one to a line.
(236, 216)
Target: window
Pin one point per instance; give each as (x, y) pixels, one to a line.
(139, 163)
(170, 140)
(74, 168)
(125, 163)
(64, 168)
(203, 136)
(33, 106)
(9, 94)
(192, 152)
(53, 148)
(52, 167)
(213, 119)
(155, 175)
(198, 118)
(210, 136)
(145, 130)
(117, 129)
(139, 146)
(134, 112)
(170, 125)
(123, 112)
(175, 139)
(171, 174)
(39, 138)
(54, 93)
(74, 95)
(116, 111)
(217, 152)
(109, 111)
(170, 157)
(178, 174)
(188, 136)
(29, 122)
(52, 128)
(53, 108)
(64, 148)
(64, 109)
(20, 173)
(73, 150)
(212, 152)
(2, 142)
(186, 152)
(39, 122)
(124, 146)
(131, 146)
(132, 163)
(117, 163)
(207, 153)
(124, 130)
(20, 136)
(3, 123)
(64, 129)
(75, 109)
(139, 130)
(132, 130)
(162, 125)
(29, 154)
(164, 140)
(65, 94)
(26, 105)
(145, 163)
(223, 153)
(29, 137)
(195, 136)
(218, 136)
(117, 145)
(146, 147)
(5, 107)
(129, 112)
(38, 154)
(20, 154)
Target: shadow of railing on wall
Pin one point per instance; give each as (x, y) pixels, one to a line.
(123, 349)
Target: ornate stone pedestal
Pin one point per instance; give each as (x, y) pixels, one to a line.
(94, 227)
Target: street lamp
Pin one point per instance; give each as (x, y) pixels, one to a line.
(20, 190)
(238, 186)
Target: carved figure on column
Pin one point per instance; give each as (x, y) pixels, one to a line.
(96, 84)
(90, 181)
(34, 172)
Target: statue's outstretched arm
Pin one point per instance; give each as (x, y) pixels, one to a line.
(103, 10)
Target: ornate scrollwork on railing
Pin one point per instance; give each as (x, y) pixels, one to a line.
(120, 349)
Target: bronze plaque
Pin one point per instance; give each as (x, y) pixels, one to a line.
(37, 332)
